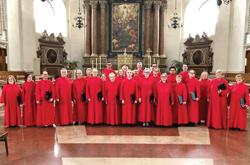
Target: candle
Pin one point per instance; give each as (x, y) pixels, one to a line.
(100, 62)
(96, 63)
(92, 64)
(158, 62)
(148, 61)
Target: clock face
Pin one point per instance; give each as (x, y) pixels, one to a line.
(51, 56)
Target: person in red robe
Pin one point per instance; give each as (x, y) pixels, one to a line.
(172, 81)
(140, 69)
(106, 71)
(79, 96)
(181, 94)
(239, 104)
(11, 99)
(45, 95)
(164, 100)
(193, 90)
(146, 99)
(128, 97)
(203, 103)
(184, 73)
(112, 99)
(29, 102)
(217, 97)
(95, 98)
(155, 70)
(63, 95)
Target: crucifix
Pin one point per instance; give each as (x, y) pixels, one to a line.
(149, 57)
(125, 52)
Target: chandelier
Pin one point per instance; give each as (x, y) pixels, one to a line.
(226, 2)
(175, 21)
(80, 21)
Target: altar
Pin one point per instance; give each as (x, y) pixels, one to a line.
(117, 25)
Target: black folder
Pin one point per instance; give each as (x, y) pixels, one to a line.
(19, 99)
(48, 95)
(180, 99)
(152, 98)
(193, 95)
(99, 96)
(222, 86)
(242, 102)
(133, 98)
(83, 97)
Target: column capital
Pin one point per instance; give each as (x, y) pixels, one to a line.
(148, 4)
(103, 4)
(93, 3)
(157, 5)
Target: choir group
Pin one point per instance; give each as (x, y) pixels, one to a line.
(143, 96)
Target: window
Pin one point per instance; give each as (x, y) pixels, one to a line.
(199, 19)
(53, 20)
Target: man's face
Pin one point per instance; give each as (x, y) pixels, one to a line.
(185, 67)
(88, 72)
(45, 75)
(11, 80)
(178, 79)
(78, 74)
(109, 66)
(163, 78)
(172, 71)
(191, 74)
(94, 73)
(129, 74)
(64, 73)
(29, 78)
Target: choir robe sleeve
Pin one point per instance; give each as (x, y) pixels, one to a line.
(121, 90)
(246, 95)
(87, 89)
(171, 94)
(74, 90)
(226, 92)
(197, 89)
(38, 92)
(138, 88)
(184, 93)
(23, 91)
(57, 90)
(3, 95)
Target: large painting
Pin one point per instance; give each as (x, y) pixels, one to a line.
(125, 28)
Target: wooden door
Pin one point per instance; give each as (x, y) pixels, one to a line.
(3, 64)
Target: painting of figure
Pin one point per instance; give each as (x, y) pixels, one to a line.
(125, 27)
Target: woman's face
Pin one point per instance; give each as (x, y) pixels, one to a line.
(239, 80)
(11, 80)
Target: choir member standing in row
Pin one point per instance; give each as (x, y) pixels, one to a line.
(29, 102)
(139, 68)
(44, 98)
(172, 81)
(203, 102)
(239, 104)
(88, 73)
(128, 95)
(164, 100)
(112, 99)
(79, 97)
(155, 67)
(146, 99)
(106, 71)
(184, 73)
(181, 94)
(193, 91)
(218, 93)
(94, 96)
(63, 95)
(12, 100)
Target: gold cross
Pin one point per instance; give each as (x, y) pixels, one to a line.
(148, 51)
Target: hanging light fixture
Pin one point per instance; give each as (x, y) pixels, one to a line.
(50, 3)
(219, 2)
(175, 21)
(80, 18)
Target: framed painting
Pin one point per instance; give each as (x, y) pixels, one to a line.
(125, 30)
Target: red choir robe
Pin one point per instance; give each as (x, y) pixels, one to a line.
(164, 98)
(217, 108)
(146, 109)
(193, 106)
(128, 87)
(63, 92)
(80, 106)
(95, 106)
(172, 81)
(45, 108)
(203, 103)
(107, 71)
(112, 99)
(29, 106)
(140, 73)
(181, 90)
(185, 76)
(152, 74)
(12, 112)
(237, 113)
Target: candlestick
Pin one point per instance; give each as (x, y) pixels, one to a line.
(150, 61)
(92, 64)
(100, 62)
(96, 63)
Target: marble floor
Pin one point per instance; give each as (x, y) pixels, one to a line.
(106, 145)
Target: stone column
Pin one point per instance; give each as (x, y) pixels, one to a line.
(87, 34)
(93, 4)
(162, 29)
(147, 5)
(103, 27)
(156, 28)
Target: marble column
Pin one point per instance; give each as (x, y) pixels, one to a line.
(162, 29)
(94, 4)
(87, 34)
(148, 6)
(156, 28)
(103, 27)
